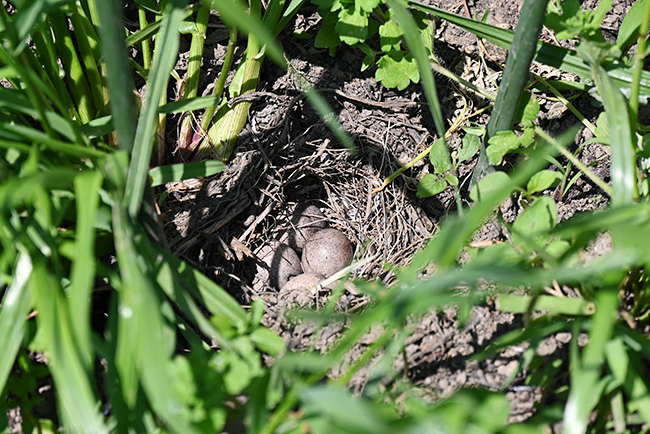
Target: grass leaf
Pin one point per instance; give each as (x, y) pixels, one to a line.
(156, 84)
(16, 303)
(179, 172)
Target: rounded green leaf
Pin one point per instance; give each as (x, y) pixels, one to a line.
(542, 180)
(394, 69)
(439, 156)
(491, 183)
(469, 147)
(430, 185)
(531, 229)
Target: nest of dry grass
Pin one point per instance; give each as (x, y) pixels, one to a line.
(216, 224)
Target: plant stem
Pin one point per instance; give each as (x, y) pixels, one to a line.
(222, 136)
(515, 76)
(639, 58)
(192, 75)
(144, 45)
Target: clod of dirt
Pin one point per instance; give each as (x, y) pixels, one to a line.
(306, 220)
(276, 264)
(327, 252)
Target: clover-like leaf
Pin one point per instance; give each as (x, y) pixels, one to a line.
(367, 5)
(394, 69)
(500, 145)
(505, 142)
(352, 26)
(390, 35)
(430, 185)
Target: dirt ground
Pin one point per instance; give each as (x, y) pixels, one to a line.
(287, 155)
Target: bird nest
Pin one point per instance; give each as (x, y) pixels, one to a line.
(218, 224)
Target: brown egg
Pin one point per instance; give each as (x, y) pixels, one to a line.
(306, 281)
(327, 252)
(306, 220)
(276, 264)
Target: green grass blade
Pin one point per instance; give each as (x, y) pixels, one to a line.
(554, 305)
(623, 143)
(179, 172)
(153, 28)
(15, 306)
(234, 13)
(190, 104)
(118, 73)
(515, 77)
(163, 62)
(216, 299)
(82, 273)
(77, 402)
(74, 74)
(416, 46)
(625, 367)
(29, 134)
(146, 350)
(586, 386)
(89, 48)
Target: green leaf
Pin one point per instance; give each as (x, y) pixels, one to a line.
(451, 179)
(530, 110)
(343, 412)
(542, 180)
(492, 182)
(629, 30)
(531, 229)
(149, 5)
(390, 35)
(555, 305)
(327, 37)
(602, 126)
(268, 341)
(162, 65)
(500, 145)
(586, 373)
(82, 274)
(352, 26)
(394, 69)
(369, 60)
(430, 185)
(73, 384)
(16, 303)
(367, 5)
(469, 147)
(182, 171)
(439, 156)
(548, 54)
